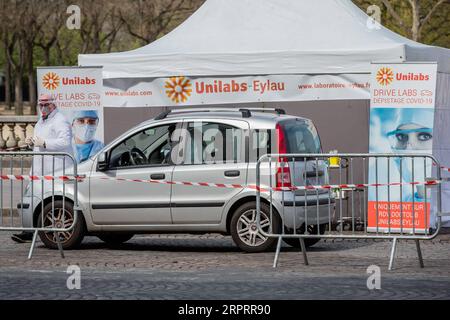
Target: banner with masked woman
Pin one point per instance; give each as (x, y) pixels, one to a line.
(401, 122)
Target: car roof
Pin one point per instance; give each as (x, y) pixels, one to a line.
(256, 119)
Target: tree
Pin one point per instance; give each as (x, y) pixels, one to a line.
(53, 13)
(35, 17)
(100, 25)
(20, 31)
(415, 19)
(147, 20)
(15, 44)
(6, 45)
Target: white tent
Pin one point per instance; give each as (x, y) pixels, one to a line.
(261, 37)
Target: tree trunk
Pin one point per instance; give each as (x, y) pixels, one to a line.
(18, 90)
(415, 34)
(59, 54)
(8, 100)
(32, 91)
(47, 56)
(31, 81)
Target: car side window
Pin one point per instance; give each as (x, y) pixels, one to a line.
(212, 143)
(261, 143)
(153, 146)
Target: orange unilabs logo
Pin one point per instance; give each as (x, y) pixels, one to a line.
(385, 76)
(178, 89)
(51, 81)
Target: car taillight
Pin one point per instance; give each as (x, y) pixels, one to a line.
(281, 139)
(283, 177)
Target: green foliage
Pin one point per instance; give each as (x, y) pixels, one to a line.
(435, 31)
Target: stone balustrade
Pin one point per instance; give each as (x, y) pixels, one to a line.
(15, 129)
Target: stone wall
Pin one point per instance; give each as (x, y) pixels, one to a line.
(15, 129)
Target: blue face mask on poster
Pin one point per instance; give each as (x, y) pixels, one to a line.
(85, 132)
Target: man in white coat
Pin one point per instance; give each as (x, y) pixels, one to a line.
(52, 133)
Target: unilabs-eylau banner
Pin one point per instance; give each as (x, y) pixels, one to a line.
(78, 94)
(186, 91)
(401, 121)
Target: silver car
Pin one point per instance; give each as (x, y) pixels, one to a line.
(120, 195)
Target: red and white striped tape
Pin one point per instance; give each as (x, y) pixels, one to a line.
(185, 183)
(355, 186)
(221, 185)
(265, 188)
(15, 177)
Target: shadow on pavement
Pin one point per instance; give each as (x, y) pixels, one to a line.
(205, 245)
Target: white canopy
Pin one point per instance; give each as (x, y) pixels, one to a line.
(260, 37)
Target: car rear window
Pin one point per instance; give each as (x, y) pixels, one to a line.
(301, 136)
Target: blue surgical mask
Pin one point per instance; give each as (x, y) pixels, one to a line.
(84, 132)
(45, 110)
(411, 173)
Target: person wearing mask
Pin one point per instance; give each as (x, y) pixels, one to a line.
(413, 134)
(52, 133)
(84, 126)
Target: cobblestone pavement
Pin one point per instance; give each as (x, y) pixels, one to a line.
(211, 267)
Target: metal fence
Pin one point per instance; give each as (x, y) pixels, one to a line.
(348, 196)
(35, 188)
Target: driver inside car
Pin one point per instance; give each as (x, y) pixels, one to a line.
(169, 147)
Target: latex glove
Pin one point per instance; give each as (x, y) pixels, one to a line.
(38, 142)
(29, 141)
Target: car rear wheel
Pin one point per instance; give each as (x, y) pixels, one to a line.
(61, 218)
(245, 233)
(115, 239)
(309, 242)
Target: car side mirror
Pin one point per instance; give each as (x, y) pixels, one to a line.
(102, 163)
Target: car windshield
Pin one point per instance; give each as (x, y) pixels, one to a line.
(301, 136)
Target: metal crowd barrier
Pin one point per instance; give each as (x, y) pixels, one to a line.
(363, 196)
(31, 181)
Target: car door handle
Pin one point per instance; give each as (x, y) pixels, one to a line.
(232, 173)
(158, 176)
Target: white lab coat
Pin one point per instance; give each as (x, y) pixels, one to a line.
(56, 131)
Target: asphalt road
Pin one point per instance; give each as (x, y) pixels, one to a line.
(210, 267)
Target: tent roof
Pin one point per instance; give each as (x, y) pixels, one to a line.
(256, 37)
